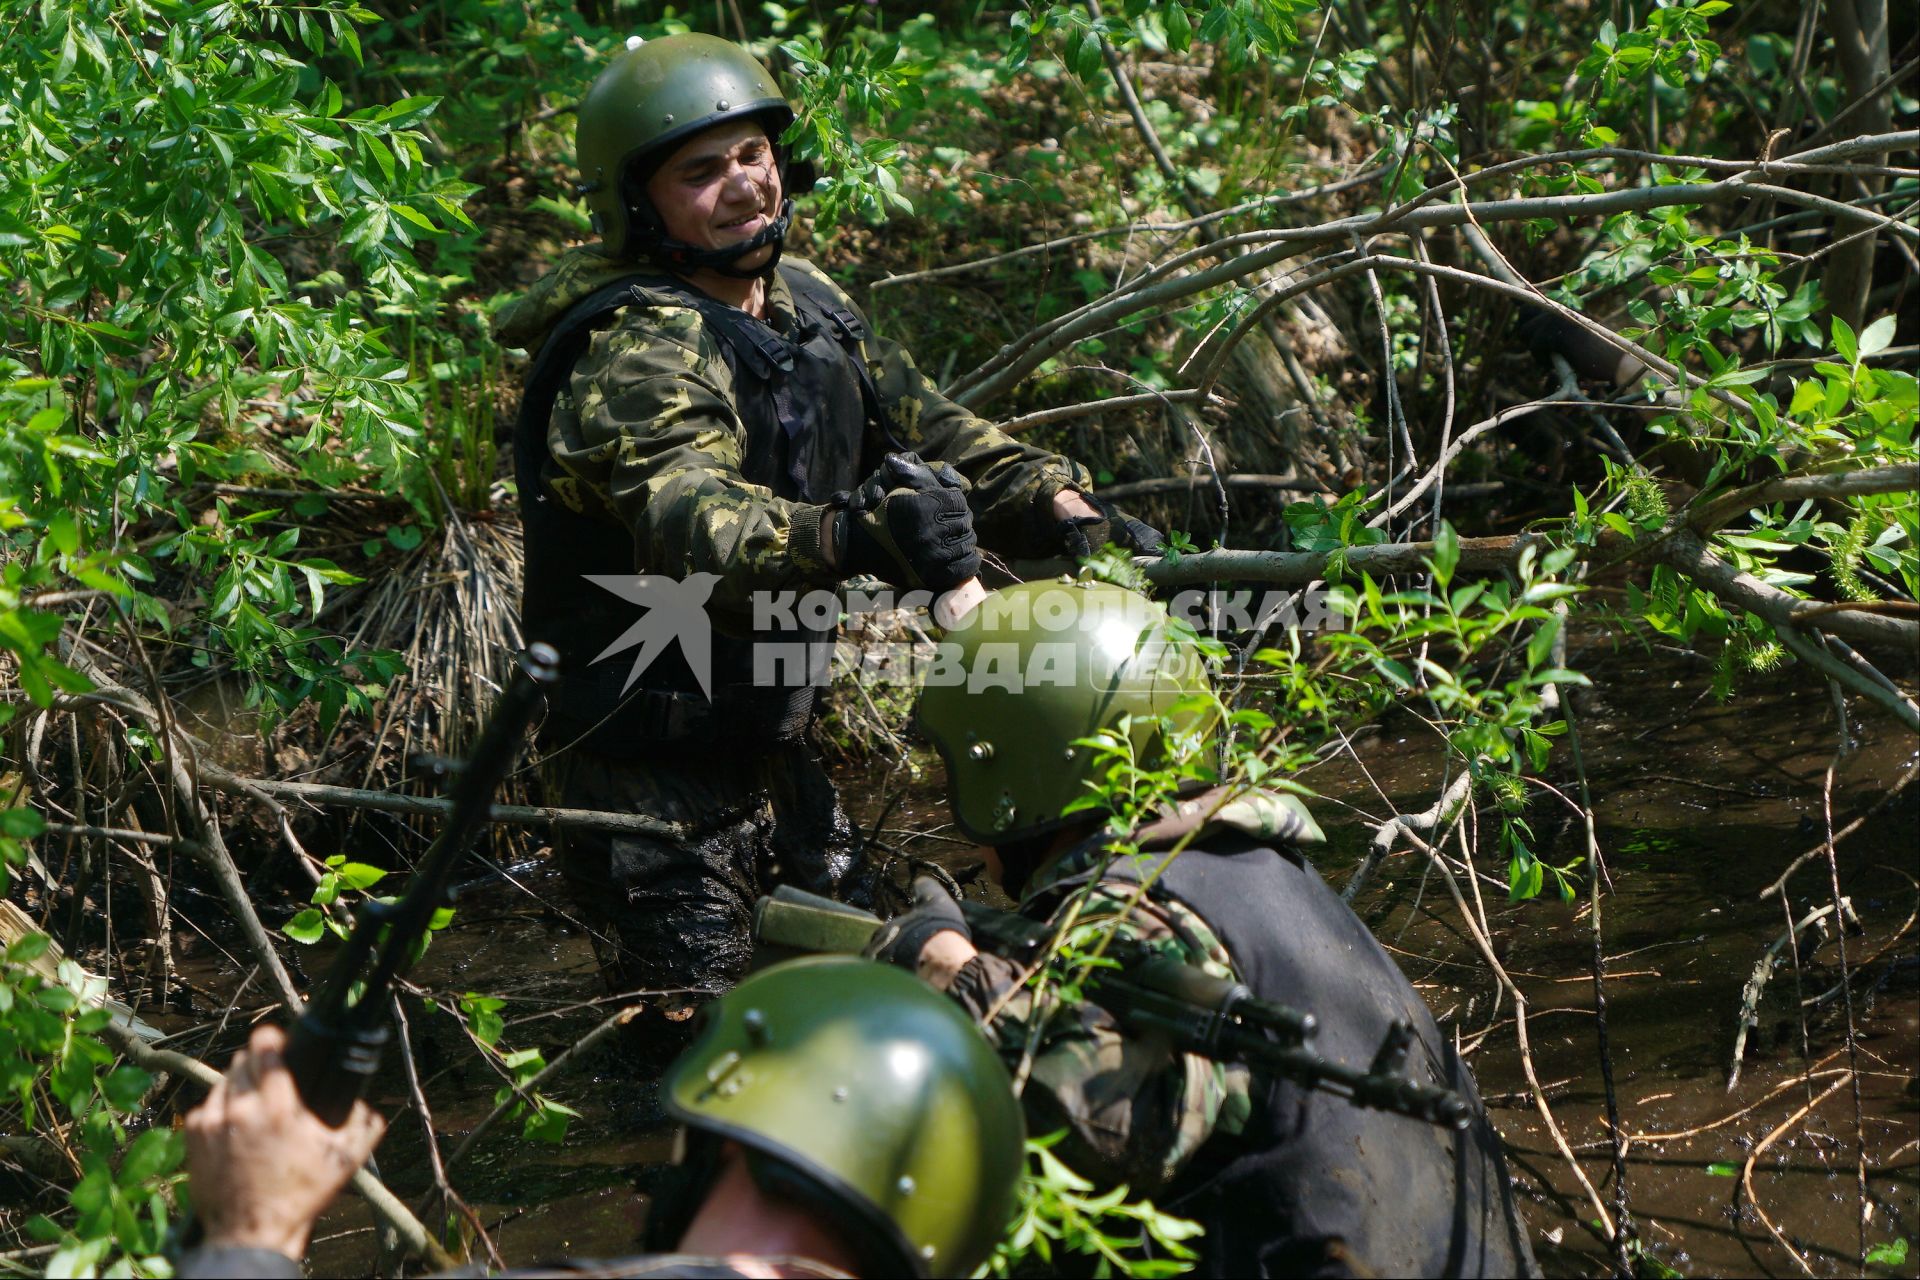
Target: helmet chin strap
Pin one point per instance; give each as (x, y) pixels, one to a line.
(678, 255)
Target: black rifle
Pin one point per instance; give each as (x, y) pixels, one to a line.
(335, 1047)
(1213, 1017)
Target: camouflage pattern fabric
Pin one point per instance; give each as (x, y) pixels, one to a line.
(673, 916)
(1135, 1112)
(647, 438)
(647, 442)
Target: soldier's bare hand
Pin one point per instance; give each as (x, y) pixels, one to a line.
(261, 1166)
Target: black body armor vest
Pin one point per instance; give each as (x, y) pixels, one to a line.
(1315, 1185)
(805, 398)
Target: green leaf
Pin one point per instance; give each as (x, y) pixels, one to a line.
(1446, 553)
(64, 533)
(1540, 647)
(21, 823)
(1877, 336)
(1843, 341)
(305, 927)
(125, 1087)
(1891, 1255)
(548, 1121)
(154, 1153)
(1179, 27)
(361, 875)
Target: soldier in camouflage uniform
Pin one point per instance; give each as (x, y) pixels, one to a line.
(702, 410)
(1286, 1181)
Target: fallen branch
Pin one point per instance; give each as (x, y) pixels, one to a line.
(1682, 549)
(1169, 281)
(523, 815)
(1187, 484)
(1815, 656)
(1060, 413)
(1713, 514)
(1676, 545)
(1298, 568)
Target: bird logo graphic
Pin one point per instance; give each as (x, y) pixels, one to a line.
(676, 609)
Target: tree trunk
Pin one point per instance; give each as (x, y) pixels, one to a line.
(1860, 37)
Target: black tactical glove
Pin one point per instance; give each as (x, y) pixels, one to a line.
(901, 940)
(1085, 535)
(908, 524)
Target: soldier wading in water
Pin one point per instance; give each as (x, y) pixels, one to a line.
(702, 408)
(1286, 1181)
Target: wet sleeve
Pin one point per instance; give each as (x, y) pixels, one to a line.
(1134, 1111)
(651, 440)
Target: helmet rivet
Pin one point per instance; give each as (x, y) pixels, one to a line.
(980, 751)
(840, 1094)
(722, 105)
(1070, 753)
(926, 1251)
(904, 1186)
(1004, 812)
(666, 119)
(755, 1023)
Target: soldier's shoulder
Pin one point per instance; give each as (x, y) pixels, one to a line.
(662, 312)
(657, 328)
(819, 280)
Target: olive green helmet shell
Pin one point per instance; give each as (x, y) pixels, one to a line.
(874, 1087)
(653, 96)
(1036, 667)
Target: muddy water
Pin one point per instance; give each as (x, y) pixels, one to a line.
(1699, 807)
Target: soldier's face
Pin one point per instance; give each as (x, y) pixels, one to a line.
(720, 188)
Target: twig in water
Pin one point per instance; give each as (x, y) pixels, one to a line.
(1757, 981)
(552, 1069)
(1623, 1224)
(1445, 809)
(1746, 1170)
(1846, 987)
(1779, 887)
(443, 1190)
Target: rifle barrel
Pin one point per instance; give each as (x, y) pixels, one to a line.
(336, 1044)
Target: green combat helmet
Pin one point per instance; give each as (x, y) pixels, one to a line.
(653, 96)
(867, 1096)
(1035, 667)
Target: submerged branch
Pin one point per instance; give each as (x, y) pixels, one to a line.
(522, 815)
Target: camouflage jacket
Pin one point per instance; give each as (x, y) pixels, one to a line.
(647, 437)
(1134, 1111)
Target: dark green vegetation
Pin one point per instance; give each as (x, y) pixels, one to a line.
(1517, 321)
